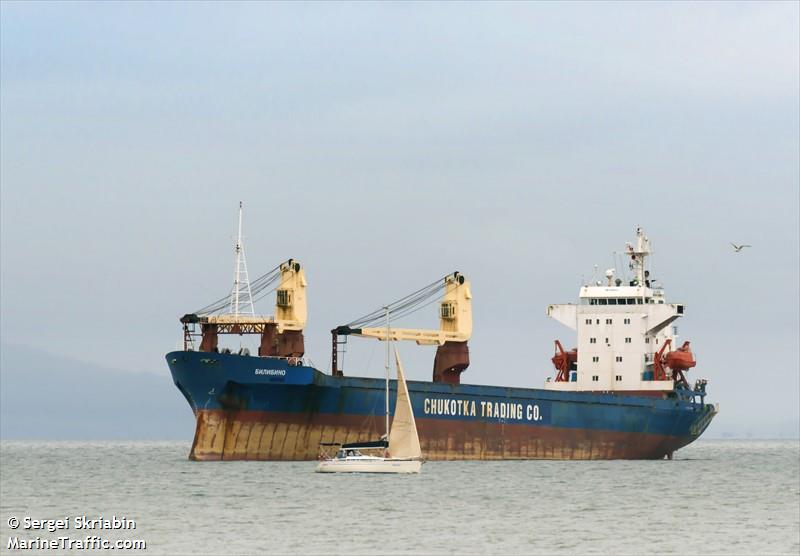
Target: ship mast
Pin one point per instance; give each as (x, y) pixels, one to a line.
(241, 296)
(638, 257)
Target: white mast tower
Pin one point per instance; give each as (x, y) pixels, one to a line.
(241, 297)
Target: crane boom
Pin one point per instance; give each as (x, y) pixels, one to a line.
(455, 328)
(455, 318)
(281, 334)
(422, 337)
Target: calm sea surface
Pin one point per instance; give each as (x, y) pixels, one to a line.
(716, 497)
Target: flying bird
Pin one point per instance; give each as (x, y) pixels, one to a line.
(738, 248)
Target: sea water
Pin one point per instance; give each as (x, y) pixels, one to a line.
(716, 497)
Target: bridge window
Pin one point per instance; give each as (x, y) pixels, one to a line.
(631, 301)
(612, 301)
(602, 301)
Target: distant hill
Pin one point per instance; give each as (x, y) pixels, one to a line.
(44, 396)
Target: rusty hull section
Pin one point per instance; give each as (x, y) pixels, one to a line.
(257, 435)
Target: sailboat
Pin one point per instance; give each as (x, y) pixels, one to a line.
(401, 447)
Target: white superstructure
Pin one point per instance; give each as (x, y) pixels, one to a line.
(620, 329)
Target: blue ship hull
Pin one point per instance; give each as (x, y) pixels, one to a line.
(258, 408)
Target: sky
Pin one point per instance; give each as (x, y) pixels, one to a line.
(388, 144)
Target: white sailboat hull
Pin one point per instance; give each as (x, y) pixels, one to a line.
(369, 465)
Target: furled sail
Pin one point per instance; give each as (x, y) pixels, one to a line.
(403, 439)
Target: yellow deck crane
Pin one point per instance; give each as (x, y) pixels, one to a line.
(281, 334)
(455, 326)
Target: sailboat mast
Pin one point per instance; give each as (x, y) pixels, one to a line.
(388, 355)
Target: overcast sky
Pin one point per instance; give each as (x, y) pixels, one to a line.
(388, 144)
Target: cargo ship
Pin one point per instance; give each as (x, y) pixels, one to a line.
(622, 393)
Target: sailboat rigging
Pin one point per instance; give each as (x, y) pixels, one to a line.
(400, 445)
